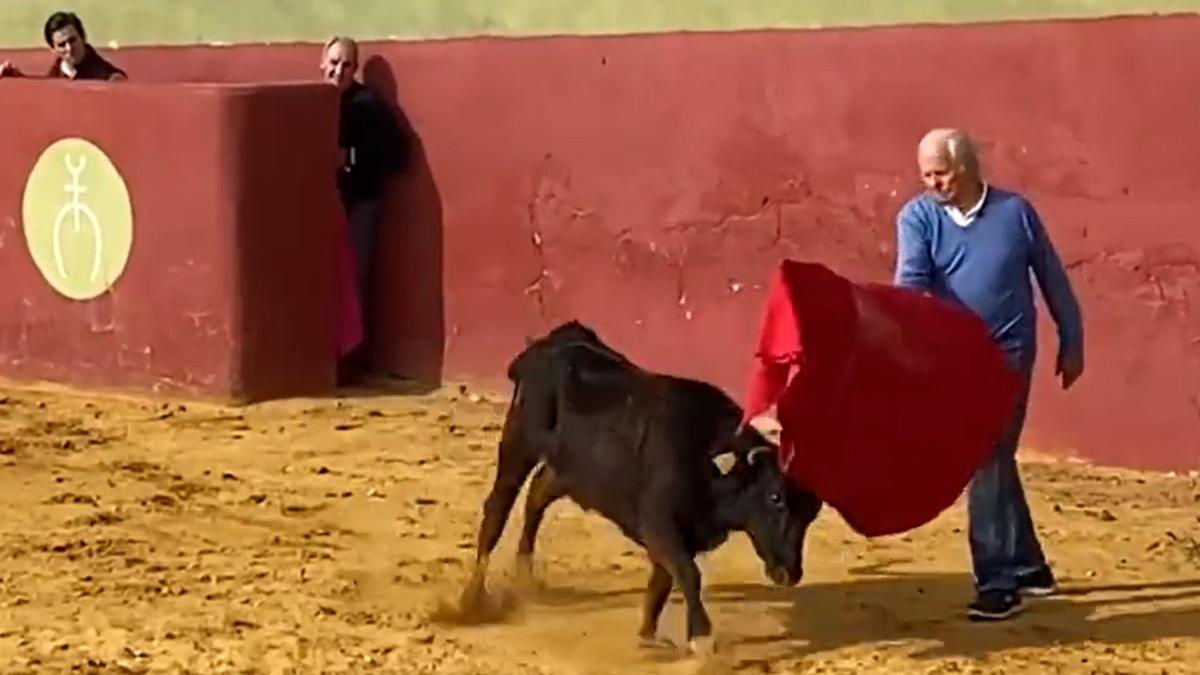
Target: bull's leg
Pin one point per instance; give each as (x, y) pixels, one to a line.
(544, 490)
(513, 467)
(657, 591)
(699, 626)
(686, 574)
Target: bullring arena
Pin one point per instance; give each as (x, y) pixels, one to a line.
(328, 536)
(186, 491)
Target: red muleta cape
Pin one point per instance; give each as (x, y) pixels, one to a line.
(888, 399)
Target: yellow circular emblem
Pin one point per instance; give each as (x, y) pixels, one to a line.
(78, 219)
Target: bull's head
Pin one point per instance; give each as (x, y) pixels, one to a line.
(757, 498)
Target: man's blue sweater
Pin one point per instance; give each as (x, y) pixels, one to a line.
(985, 266)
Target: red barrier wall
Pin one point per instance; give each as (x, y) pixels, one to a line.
(232, 229)
(648, 184)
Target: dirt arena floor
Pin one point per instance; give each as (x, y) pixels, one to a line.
(322, 536)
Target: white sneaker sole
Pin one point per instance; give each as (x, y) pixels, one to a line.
(978, 615)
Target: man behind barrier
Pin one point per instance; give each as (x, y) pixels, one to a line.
(75, 57)
(374, 146)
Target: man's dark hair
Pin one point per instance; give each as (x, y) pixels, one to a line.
(59, 21)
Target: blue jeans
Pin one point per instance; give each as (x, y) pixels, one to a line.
(1003, 542)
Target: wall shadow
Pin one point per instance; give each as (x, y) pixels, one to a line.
(408, 318)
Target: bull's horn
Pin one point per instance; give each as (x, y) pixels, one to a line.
(725, 462)
(754, 452)
(767, 426)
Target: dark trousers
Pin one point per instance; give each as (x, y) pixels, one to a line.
(364, 226)
(1003, 542)
(364, 219)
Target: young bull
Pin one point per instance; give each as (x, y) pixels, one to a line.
(641, 449)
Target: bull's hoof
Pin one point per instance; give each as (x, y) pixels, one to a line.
(526, 582)
(473, 599)
(528, 586)
(703, 646)
(655, 643)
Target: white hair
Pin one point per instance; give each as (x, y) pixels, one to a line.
(956, 145)
(342, 40)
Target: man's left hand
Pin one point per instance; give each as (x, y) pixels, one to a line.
(1069, 366)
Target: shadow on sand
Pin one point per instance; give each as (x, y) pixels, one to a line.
(923, 608)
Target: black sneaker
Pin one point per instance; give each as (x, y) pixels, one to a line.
(1037, 584)
(995, 606)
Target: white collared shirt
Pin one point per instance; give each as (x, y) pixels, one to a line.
(963, 219)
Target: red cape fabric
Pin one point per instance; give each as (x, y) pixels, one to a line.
(888, 399)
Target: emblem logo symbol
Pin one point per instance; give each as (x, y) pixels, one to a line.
(78, 219)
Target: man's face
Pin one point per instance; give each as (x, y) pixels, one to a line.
(67, 43)
(942, 177)
(339, 65)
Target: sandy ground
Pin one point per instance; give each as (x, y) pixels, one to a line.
(320, 537)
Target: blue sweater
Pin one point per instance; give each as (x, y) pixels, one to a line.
(985, 266)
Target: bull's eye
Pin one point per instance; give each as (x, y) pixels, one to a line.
(776, 499)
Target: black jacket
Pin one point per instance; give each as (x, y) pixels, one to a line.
(93, 67)
(374, 142)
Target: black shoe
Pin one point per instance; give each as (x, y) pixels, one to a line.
(350, 371)
(995, 606)
(1037, 584)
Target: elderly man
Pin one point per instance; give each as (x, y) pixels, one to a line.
(976, 244)
(75, 58)
(373, 148)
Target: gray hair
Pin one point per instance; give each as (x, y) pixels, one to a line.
(956, 145)
(343, 40)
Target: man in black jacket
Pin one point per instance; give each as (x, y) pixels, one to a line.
(373, 148)
(75, 57)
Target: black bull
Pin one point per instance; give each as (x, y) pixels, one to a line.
(639, 448)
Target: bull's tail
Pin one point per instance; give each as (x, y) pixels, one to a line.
(532, 416)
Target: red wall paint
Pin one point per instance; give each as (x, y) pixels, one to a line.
(647, 185)
(227, 267)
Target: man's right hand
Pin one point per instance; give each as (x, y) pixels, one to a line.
(1069, 366)
(7, 69)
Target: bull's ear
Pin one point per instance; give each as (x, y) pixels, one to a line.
(724, 462)
(761, 452)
